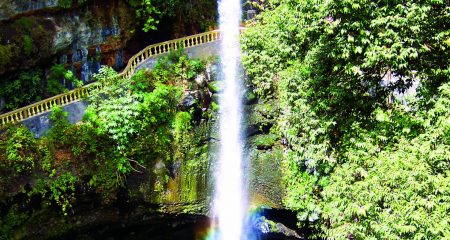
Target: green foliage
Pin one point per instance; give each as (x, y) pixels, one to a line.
(355, 166)
(359, 52)
(197, 14)
(177, 65)
(24, 23)
(159, 109)
(64, 3)
(403, 185)
(86, 146)
(105, 75)
(215, 86)
(23, 41)
(20, 149)
(128, 127)
(6, 54)
(117, 117)
(147, 12)
(59, 79)
(59, 121)
(25, 88)
(214, 106)
(70, 3)
(12, 219)
(62, 191)
(149, 107)
(27, 45)
(57, 188)
(181, 124)
(68, 75)
(265, 141)
(143, 81)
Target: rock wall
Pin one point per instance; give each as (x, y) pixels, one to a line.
(82, 37)
(12, 8)
(264, 152)
(94, 37)
(167, 190)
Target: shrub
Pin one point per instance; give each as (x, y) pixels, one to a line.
(65, 3)
(181, 124)
(60, 124)
(62, 191)
(6, 55)
(56, 76)
(27, 45)
(21, 149)
(59, 80)
(23, 89)
(356, 166)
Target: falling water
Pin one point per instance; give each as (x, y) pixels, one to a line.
(229, 207)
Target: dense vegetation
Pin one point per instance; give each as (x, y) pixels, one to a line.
(197, 14)
(130, 126)
(358, 165)
(33, 86)
(22, 39)
(31, 43)
(358, 162)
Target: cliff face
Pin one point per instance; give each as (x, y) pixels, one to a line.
(82, 37)
(162, 194)
(10, 9)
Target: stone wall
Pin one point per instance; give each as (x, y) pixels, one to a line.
(40, 125)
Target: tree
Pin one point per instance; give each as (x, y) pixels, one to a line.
(324, 62)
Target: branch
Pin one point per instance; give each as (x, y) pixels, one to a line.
(140, 165)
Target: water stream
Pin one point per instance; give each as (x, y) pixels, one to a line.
(229, 200)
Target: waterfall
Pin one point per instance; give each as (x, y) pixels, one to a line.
(229, 201)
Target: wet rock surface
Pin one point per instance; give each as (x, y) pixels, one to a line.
(264, 151)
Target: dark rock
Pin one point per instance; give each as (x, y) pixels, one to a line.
(250, 98)
(216, 98)
(266, 227)
(71, 35)
(251, 14)
(9, 9)
(212, 72)
(251, 130)
(201, 80)
(2, 103)
(188, 100)
(286, 231)
(262, 225)
(261, 115)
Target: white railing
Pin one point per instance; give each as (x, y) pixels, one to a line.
(134, 62)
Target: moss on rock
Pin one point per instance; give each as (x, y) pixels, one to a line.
(215, 86)
(264, 141)
(265, 177)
